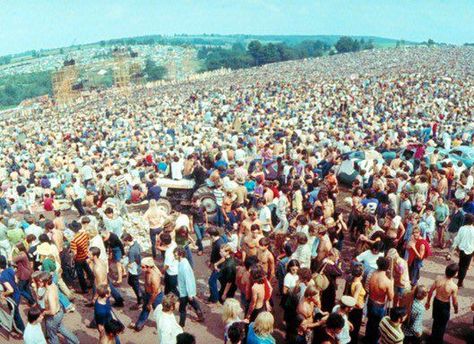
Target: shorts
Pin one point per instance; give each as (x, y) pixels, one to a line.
(116, 254)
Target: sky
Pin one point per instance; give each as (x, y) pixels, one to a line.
(41, 24)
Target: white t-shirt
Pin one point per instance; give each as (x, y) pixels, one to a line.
(33, 334)
(177, 169)
(170, 261)
(369, 259)
(182, 221)
(290, 280)
(265, 216)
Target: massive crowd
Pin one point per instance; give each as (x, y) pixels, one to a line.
(268, 142)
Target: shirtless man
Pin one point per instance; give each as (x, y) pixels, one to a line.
(380, 292)
(245, 226)
(53, 313)
(153, 294)
(305, 311)
(258, 303)
(100, 270)
(446, 291)
(56, 235)
(265, 258)
(250, 244)
(325, 245)
(59, 221)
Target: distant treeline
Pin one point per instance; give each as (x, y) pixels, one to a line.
(257, 54)
(15, 88)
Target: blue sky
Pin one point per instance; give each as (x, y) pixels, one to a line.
(36, 24)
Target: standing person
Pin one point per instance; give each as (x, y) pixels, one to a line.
(10, 289)
(391, 326)
(400, 276)
(53, 313)
(100, 270)
(418, 250)
(186, 287)
(170, 265)
(282, 210)
(331, 268)
(227, 274)
(166, 325)
(413, 327)
(156, 218)
(102, 308)
(464, 242)
(217, 242)
(346, 304)
(446, 292)
(134, 256)
(153, 294)
(380, 292)
(115, 248)
(78, 195)
(231, 313)
(33, 332)
(456, 222)
(23, 273)
(200, 223)
(355, 288)
(80, 250)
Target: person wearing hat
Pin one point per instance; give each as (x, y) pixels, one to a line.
(346, 304)
(153, 295)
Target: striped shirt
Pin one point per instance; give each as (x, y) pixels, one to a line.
(390, 333)
(219, 195)
(80, 246)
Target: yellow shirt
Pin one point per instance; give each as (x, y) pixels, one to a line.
(360, 301)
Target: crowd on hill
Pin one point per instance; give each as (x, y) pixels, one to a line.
(268, 143)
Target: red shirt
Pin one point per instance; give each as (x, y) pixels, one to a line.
(48, 204)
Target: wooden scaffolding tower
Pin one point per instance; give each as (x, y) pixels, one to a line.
(63, 81)
(121, 70)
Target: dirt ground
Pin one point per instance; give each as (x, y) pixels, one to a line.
(460, 328)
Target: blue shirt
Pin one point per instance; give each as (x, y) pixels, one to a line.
(253, 338)
(154, 193)
(8, 275)
(186, 280)
(102, 313)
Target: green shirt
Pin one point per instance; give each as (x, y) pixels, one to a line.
(15, 235)
(441, 212)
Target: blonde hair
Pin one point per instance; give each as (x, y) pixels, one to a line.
(232, 310)
(263, 325)
(227, 248)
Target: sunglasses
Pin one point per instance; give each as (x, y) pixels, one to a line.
(145, 266)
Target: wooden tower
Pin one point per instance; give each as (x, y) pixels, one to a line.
(63, 81)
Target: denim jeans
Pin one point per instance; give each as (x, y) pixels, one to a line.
(189, 255)
(153, 233)
(78, 205)
(54, 325)
(142, 318)
(25, 291)
(134, 282)
(219, 217)
(375, 313)
(213, 288)
(183, 302)
(414, 271)
(200, 230)
(81, 267)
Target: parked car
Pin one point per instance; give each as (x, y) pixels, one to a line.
(463, 153)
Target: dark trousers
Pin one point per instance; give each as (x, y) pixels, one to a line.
(81, 267)
(199, 230)
(183, 302)
(375, 313)
(25, 291)
(219, 217)
(230, 293)
(78, 205)
(153, 233)
(441, 312)
(20, 326)
(134, 282)
(412, 340)
(213, 289)
(142, 318)
(355, 317)
(67, 267)
(171, 284)
(414, 271)
(464, 262)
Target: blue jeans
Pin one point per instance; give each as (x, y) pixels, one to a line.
(54, 325)
(219, 217)
(153, 233)
(142, 318)
(25, 291)
(213, 288)
(199, 230)
(134, 282)
(375, 313)
(189, 255)
(414, 271)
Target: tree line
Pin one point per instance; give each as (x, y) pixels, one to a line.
(257, 54)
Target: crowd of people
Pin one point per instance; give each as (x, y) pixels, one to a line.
(283, 234)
